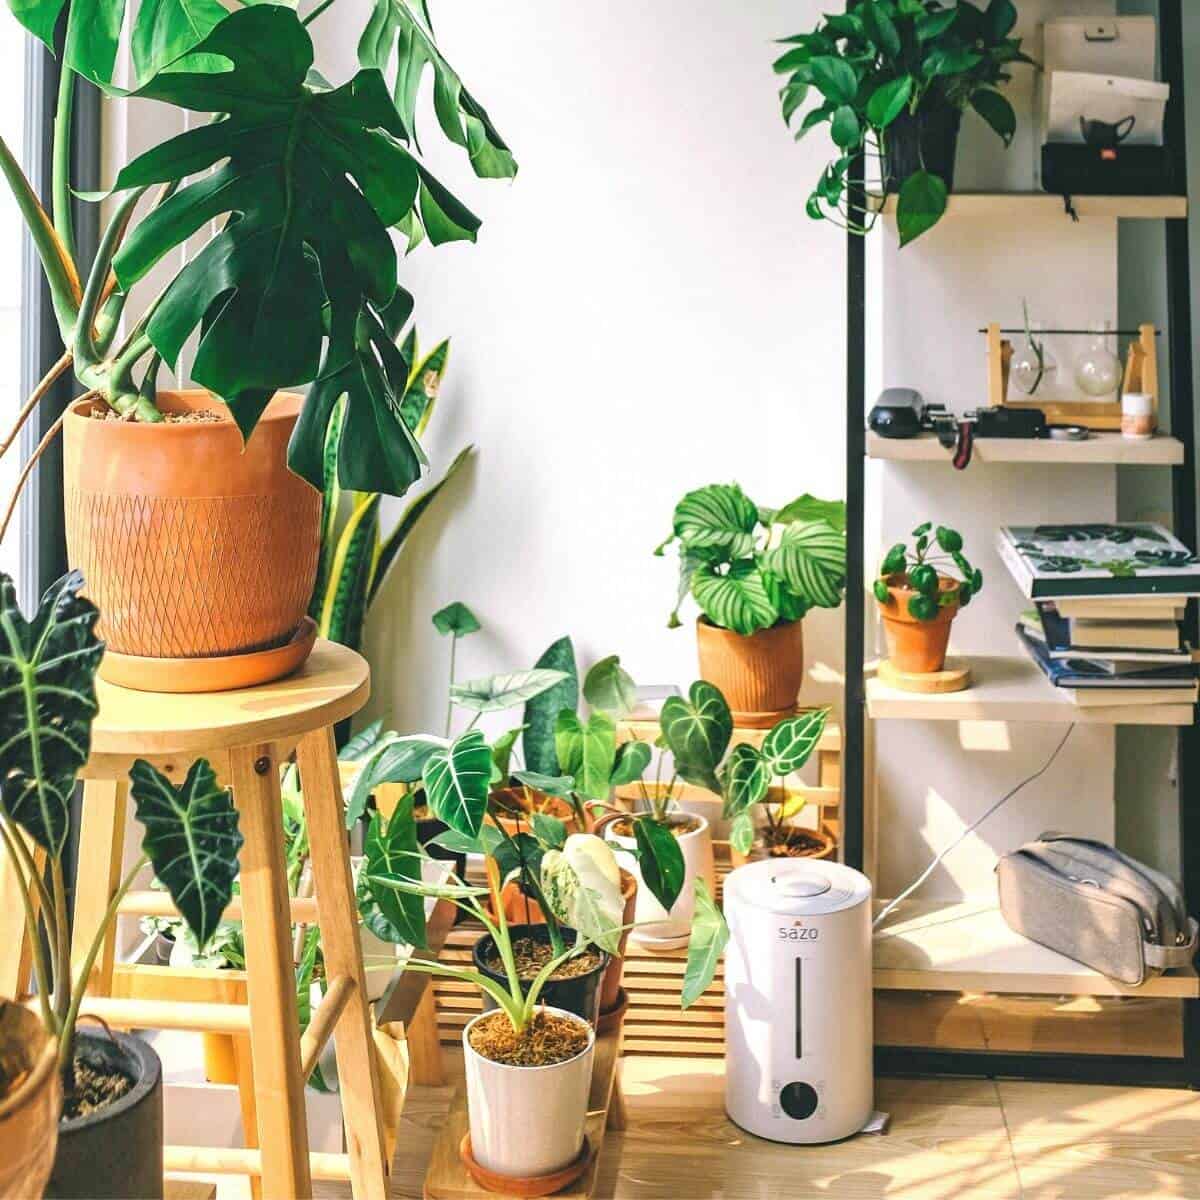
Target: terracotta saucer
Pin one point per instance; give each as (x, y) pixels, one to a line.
(611, 1020)
(221, 674)
(534, 1185)
(761, 720)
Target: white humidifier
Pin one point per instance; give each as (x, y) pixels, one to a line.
(798, 1028)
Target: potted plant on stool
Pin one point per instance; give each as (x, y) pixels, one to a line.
(918, 602)
(110, 1135)
(754, 573)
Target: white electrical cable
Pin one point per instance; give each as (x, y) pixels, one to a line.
(929, 870)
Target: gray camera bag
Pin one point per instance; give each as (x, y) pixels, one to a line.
(1098, 906)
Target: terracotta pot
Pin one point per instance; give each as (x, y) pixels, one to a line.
(519, 909)
(918, 647)
(514, 797)
(758, 851)
(192, 545)
(610, 986)
(29, 1112)
(759, 674)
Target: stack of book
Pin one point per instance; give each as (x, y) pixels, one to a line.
(1109, 600)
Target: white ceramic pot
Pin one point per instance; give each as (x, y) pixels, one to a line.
(527, 1121)
(654, 925)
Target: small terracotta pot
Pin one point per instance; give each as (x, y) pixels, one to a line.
(610, 986)
(514, 797)
(917, 647)
(29, 1112)
(519, 909)
(758, 851)
(191, 544)
(758, 674)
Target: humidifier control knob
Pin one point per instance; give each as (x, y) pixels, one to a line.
(800, 886)
(798, 1100)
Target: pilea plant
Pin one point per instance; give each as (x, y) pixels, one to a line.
(299, 282)
(933, 551)
(879, 72)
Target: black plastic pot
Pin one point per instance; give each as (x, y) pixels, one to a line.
(580, 995)
(115, 1153)
(929, 139)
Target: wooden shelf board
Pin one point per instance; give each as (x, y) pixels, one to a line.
(995, 204)
(1011, 689)
(966, 946)
(1160, 451)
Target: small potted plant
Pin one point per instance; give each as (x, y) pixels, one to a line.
(918, 600)
(111, 1083)
(891, 81)
(754, 573)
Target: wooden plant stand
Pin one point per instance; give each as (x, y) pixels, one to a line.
(447, 1178)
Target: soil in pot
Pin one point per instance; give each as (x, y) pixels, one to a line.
(681, 825)
(546, 1040)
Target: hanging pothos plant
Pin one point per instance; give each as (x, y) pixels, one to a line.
(305, 183)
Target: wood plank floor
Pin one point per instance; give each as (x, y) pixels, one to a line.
(949, 1140)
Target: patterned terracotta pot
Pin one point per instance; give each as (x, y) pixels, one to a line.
(759, 674)
(29, 1111)
(191, 545)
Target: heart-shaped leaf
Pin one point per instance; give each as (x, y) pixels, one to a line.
(47, 702)
(582, 893)
(920, 206)
(790, 743)
(587, 751)
(498, 692)
(745, 779)
(630, 763)
(660, 860)
(697, 732)
(548, 830)
(705, 946)
(191, 839)
(609, 687)
(391, 851)
(811, 559)
(394, 760)
(741, 832)
(456, 619)
(541, 713)
(457, 780)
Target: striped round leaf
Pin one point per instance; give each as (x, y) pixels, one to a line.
(744, 778)
(457, 780)
(498, 692)
(811, 560)
(737, 600)
(47, 702)
(697, 732)
(720, 516)
(192, 840)
(788, 746)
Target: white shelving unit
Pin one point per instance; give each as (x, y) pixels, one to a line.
(1100, 448)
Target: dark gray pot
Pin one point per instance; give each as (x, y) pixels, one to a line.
(117, 1152)
(930, 138)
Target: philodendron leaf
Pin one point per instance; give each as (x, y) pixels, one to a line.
(660, 860)
(391, 851)
(502, 749)
(718, 517)
(744, 780)
(541, 713)
(582, 885)
(610, 688)
(735, 598)
(790, 743)
(811, 559)
(551, 785)
(456, 782)
(519, 855)
(587, 751)
(697, 732)
(456, 619)
(705, 946)
(630, 763)
(395, 760)
(550, 831)
(191, 840)
(741, 832)
(47, 702)
(498, 692)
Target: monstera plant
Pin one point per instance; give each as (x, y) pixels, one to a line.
(47, 704)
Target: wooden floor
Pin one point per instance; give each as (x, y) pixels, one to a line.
(949, 1140)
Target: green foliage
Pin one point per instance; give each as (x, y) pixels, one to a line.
(495, 693)
(697, 732)
(892, 58)
(586, 751)
(456, 619)
(392, 759)
(926, 569)
(541, 712)
(391, 849)
(660, 861)
(748, 567)
(708, 939)
(457, 782)
(609, 687)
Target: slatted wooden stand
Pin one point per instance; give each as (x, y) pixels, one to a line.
(245, 735)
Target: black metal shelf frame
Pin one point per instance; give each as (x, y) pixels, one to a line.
(1137, 1070)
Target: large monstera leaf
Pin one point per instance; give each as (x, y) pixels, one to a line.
(47, 702)
(697, 732)
(192, 840)
(309, 182)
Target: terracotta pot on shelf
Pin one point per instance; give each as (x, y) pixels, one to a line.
(759, 674)
(916, 647)
(610, 986)
(514, 797)
(759, 851)
(29, 1110)
(192, 545)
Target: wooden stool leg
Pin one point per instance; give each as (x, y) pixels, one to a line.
(270, 977)
(101, 856)
(358, 1071)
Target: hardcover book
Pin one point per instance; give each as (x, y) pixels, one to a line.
(1074, 673)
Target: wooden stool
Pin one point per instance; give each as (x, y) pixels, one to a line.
(246, 735)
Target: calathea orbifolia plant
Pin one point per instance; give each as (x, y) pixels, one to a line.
(47, 705)
(304, 183)
(922, 569)
(891, 71)
(749, 567)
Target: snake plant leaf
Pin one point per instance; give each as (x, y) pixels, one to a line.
(745, 778)
(47, 702)
(390, 850)
(456, 618)
(735, 599)
(707, 943)
(660, 860)
(457, 780)
(398, 25)
(811, 560)
(331, 503)
(717, 517)
(424, 383)
(630, 763)
(497, 692)
(347, 607)
(395, 759)
(541, 712)
(609, 687)
(587, 751)
(697, 732)
(192, 840)
(790, 743)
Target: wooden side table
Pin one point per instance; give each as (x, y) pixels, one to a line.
(246, 735)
